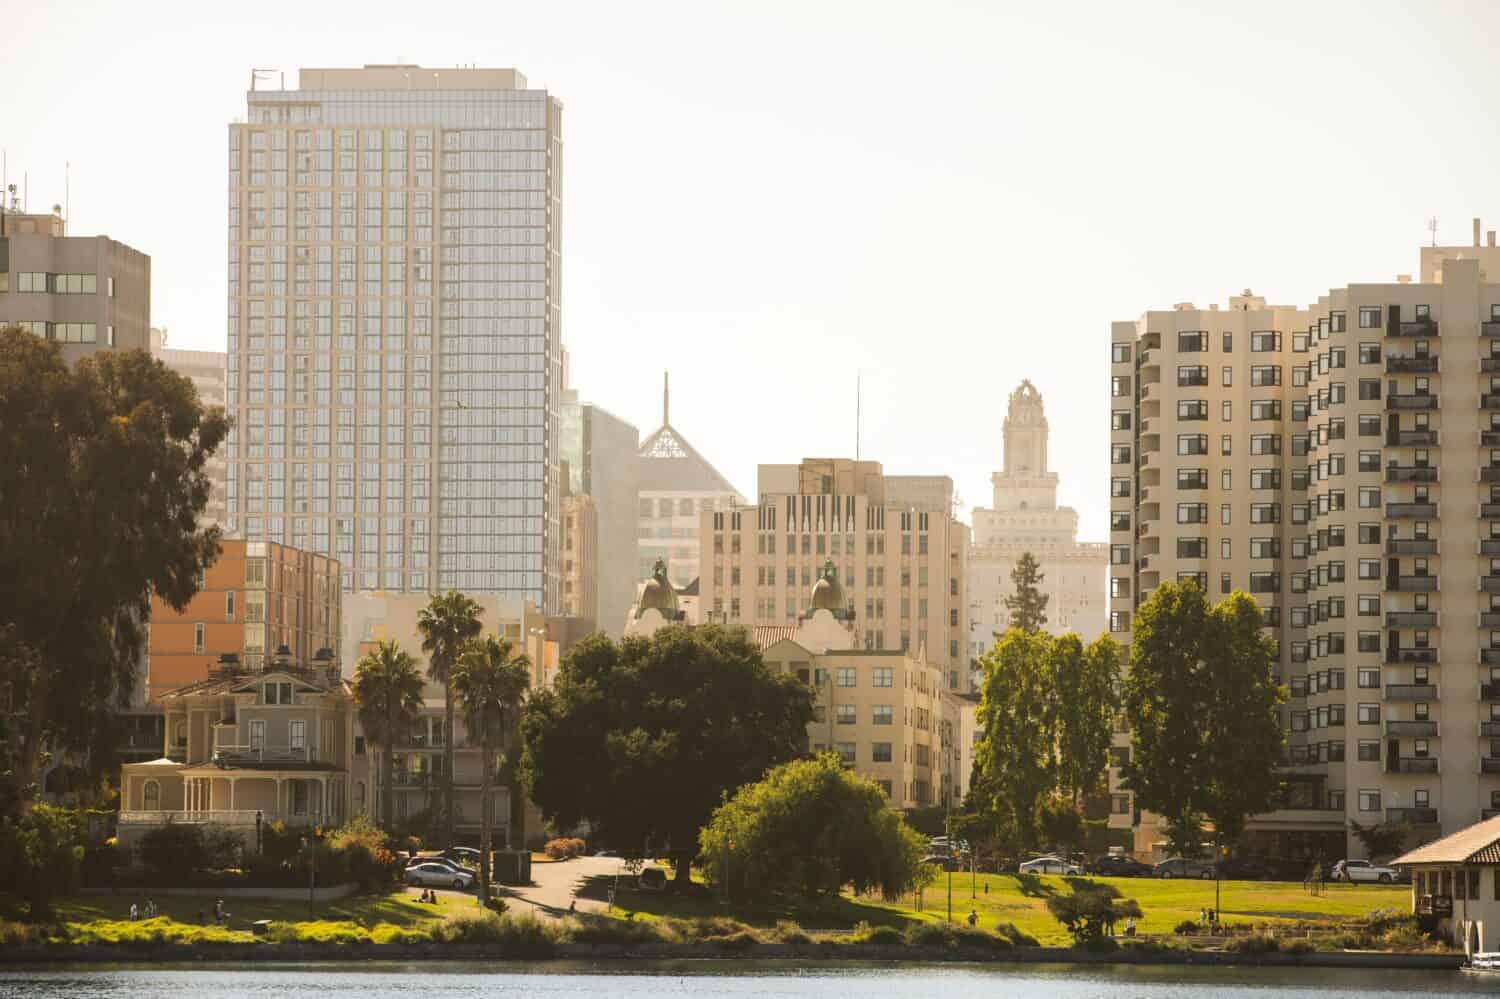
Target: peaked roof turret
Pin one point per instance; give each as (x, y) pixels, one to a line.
(670, 464)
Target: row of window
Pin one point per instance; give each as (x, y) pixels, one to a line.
(1268, 341)
(64, 332)
(41, 282)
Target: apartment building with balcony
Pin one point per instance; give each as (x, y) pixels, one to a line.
(1341, 463)
(903, 568)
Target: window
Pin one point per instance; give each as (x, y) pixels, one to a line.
(1192, 548)
(1368, 714)
(278, 693)
(1192, 513)
(1120, 419)
(1227, 376)
(1226, 444)
(1369, 799)
(1369, 568)
(197, 638)
(1369, 497)
(881, 676)
(845, 676)
(1119, 804)
(882, 714)
(1192, 478)
(1369, 426)
(1191, 375)
(1192, 342)
(1369, 353)
(1265, 340)
(298, 734)
(1369, 319)
(1192, 409)
(1228, 343)
(1369, 388)
(1119, 386)
(1119, 353)
(1265, 409)
(880, 752)
(846, 753)
(844, 714)
(151, 796)
(258, 734)
(1119, 621)
(1369, 605)
(1262, 375)
(1119, 487)
(1119, 454)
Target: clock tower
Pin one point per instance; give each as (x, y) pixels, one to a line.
(1025, 483)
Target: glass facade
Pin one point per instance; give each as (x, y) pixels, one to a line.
(394, 358)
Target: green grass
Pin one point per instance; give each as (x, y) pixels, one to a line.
(1023, 901)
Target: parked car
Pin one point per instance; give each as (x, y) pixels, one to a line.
(1179, 867)
(606, 853)
(652, 879)
(462, 854)
(1246, 869)
(452, 865)
(1116, 866)
(1354, 871)
(435, 875)
(1049, 865)
(943, 861)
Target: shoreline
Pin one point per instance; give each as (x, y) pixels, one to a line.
(295, 953)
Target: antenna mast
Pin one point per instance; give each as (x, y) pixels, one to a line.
(1432, 228)
(857, 413)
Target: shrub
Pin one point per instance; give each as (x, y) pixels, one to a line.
(517, 936)
(174, 847)
(1100, 945)
(222, 848)
(390, 933)
(1299, 946)
(864, 933)
(1259, 942)
(563, 848)
(1090, 908)
(100, 860)
(788, 932)
(952, 937)
(1016, 935)
(603, 930)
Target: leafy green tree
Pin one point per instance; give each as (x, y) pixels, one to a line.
(1203, 707)
(490, 684)
(810, 827)
(1028, 604)
(102, 481)
(1060, 822)
(1015, 755)
(645, 738)
(41, 853)
(1089, 909)
(1381, 840)
(448, 623)
(1085, 702)
(388, 697)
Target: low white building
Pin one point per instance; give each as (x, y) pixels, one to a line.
(1455, 885)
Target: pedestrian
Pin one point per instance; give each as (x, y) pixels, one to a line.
(1202, 916)
(572, 905)
(986, 887)
(1130, 927)
(135, 912)
(200, 915)
(973, 917)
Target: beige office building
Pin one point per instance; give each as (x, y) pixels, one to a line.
(677, 486)
(1341, 463)
(85, 293)
(395, 354)
(205, 369)
(580, 560)
(1025, 517)
(888, 713)
(904, 570)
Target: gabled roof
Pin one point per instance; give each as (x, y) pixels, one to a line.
(1478, 844)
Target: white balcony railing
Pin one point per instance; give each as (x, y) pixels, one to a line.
(218, 816)
(262, 754)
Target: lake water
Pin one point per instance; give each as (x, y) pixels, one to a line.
(739, 980)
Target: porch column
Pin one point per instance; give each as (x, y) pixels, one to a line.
(231, 793)
(279, 782)
(323, 812)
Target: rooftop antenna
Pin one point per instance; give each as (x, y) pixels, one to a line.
(666, 400)
(857, 400)
(1432, 228)
(67, 194)
(256, 75)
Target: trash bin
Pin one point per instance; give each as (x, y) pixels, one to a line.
(260, 927)
(513, 867)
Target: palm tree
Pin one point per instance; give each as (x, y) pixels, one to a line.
(490, 685)
(388, 695)
(447, 623)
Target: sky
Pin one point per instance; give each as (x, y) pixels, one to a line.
(773, 199)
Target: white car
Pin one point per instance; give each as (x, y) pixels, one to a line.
(1049, 865)
(434, 875)
(1362, 870)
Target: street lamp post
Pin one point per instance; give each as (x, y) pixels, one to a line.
(948, 829)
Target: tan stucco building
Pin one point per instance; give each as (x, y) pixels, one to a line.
(206, 370)
(1025, 517)
(1341, 463)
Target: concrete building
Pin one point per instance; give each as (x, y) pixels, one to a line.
(677, 485)
(257, 598)
(887, 712)
(1341, 463)
(1455, 886)
(418, 763)
(1025, 517)
(601, 453)
(904, 570)
(205, 368)
(87, 293)
(580, 559)
(394, 364)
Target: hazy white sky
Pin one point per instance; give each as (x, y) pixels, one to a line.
(769, 197)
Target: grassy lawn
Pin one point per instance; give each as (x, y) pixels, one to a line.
(1023, 901)
(398, 908)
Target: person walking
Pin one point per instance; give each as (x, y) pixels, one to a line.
(973, 917)
(135, 912)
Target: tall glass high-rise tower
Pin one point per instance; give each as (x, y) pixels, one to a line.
(395, 360)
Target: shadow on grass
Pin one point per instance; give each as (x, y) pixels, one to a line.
(1030, 885)
(821, 913)
(398, 907)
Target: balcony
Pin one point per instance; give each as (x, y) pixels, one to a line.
(1412, 816)
(1411, 546)
(1412, 438)
(1489, 691)
(242, 817)
(249, 756)
(1489, 657)
(1489, 729)
(1489, 619)
(1419, 400)
(1411, 692)
(1414, 584)
(1411, 473)
(1412, 765)
(1417, 365)
(1421, 511)
(1411, 619)
(1489, 546)
(1489, 764)
(1489, 584)
(1489, 400)
(1490, 328)
(1489, 511)
(1424, 327)
(1490, 364)
(1489, 438)
(1419, 729)
(1489, 473)
(1419, 656)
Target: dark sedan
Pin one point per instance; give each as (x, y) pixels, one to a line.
(1120, 867)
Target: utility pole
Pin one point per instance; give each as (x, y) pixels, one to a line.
(948, 830)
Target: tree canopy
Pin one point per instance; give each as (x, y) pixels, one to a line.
(102, 483)
(1028, 604)
(388, 697)
(810, 827)
(448, 624)
(1203, 705)
(645, 737)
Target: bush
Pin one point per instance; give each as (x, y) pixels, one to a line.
(563, 849)
(1299, 946)
(1016, 935)
(1100, 945)
(952, 937)
(1186, 928)
(864, 933)
(41, 854)
(603, 930)
(517, 936)
(222, 848)
(788, 932)
(1259, 942)
(1090, 909)
(174, 847)
(100, 860)
(365, 856)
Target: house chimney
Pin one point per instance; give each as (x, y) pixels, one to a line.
(1476, 231)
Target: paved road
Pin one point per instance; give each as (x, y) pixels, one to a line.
(584, 880)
